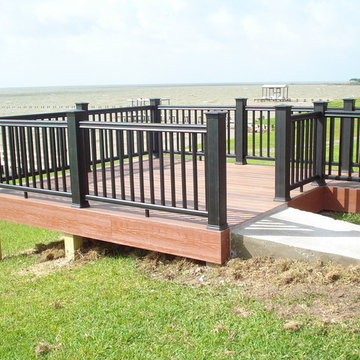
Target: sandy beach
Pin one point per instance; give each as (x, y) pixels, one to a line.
(49, 99)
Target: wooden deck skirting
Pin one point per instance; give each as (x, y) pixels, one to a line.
(332, 198)
(190, 240)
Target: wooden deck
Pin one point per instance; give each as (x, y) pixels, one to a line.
(250, 193)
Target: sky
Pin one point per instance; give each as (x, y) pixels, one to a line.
(117, 42)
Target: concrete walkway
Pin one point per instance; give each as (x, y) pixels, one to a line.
(292, 233)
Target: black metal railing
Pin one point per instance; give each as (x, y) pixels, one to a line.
(196, 115)
(125, 163)
(138, 114)
(250, 130)
(343, 143)
(114, 155)
(315, 146)
(303, 129)
(34, 156)
(147, 177)
(57, 116)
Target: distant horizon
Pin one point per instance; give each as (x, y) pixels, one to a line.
(334, 82)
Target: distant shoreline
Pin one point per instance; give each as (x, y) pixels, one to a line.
(256, 83)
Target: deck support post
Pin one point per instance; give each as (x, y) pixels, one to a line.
(216, 169)
(282, 152)
(72, 244)
(155, 119)
(347, 137)
(320, 139)
(241, 131)
(85, 107)
(78, 167)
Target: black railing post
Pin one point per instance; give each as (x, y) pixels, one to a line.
(282, 152)
(77, 151)
(82, 106)
(216, 169)
(85, 107)
(347, 137)
(241, 131)
(320, 142)
(155, 119)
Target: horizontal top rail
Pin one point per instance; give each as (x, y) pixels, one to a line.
(107, 125)
(195, 107)
(302, 108)
(34, 123)
(259, 108)
(120, 109)
(35, 116)
(306, 116)
(342, 113)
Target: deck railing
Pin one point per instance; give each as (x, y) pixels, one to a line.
(250, 130)
(170, 142)
(34, 156)
(315, 146)
(343, 143)
(119, 162)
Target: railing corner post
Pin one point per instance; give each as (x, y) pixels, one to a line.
(347, 136)
(85, 107)
(77, 153)
(320, 142)
(155, 119)
(282, 152)
(216, 170)
(241, 131)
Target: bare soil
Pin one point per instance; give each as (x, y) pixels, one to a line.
(51, 257)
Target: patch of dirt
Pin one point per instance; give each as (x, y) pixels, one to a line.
(45, 267)
(329, 293)
(293, 325)
(51, 257)
(45, 348)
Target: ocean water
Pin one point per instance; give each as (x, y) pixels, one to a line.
(49, 99)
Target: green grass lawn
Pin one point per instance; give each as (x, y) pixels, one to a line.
(340, 103)
(349, 217)
(108, 309)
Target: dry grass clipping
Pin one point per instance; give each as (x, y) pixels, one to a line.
(327, 292)
(45, 348)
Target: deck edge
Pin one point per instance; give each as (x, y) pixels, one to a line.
(172, 238)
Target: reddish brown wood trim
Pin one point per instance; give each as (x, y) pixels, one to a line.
(328, 198)
(312, 201)
(343, 199)
(190, 240)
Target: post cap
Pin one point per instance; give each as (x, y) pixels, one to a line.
(215, 112)
(82, 105)
(283, 106)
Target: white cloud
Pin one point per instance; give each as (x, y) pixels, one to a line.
(223, 21)
(139, 41)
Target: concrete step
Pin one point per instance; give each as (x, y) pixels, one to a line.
(291, 233)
